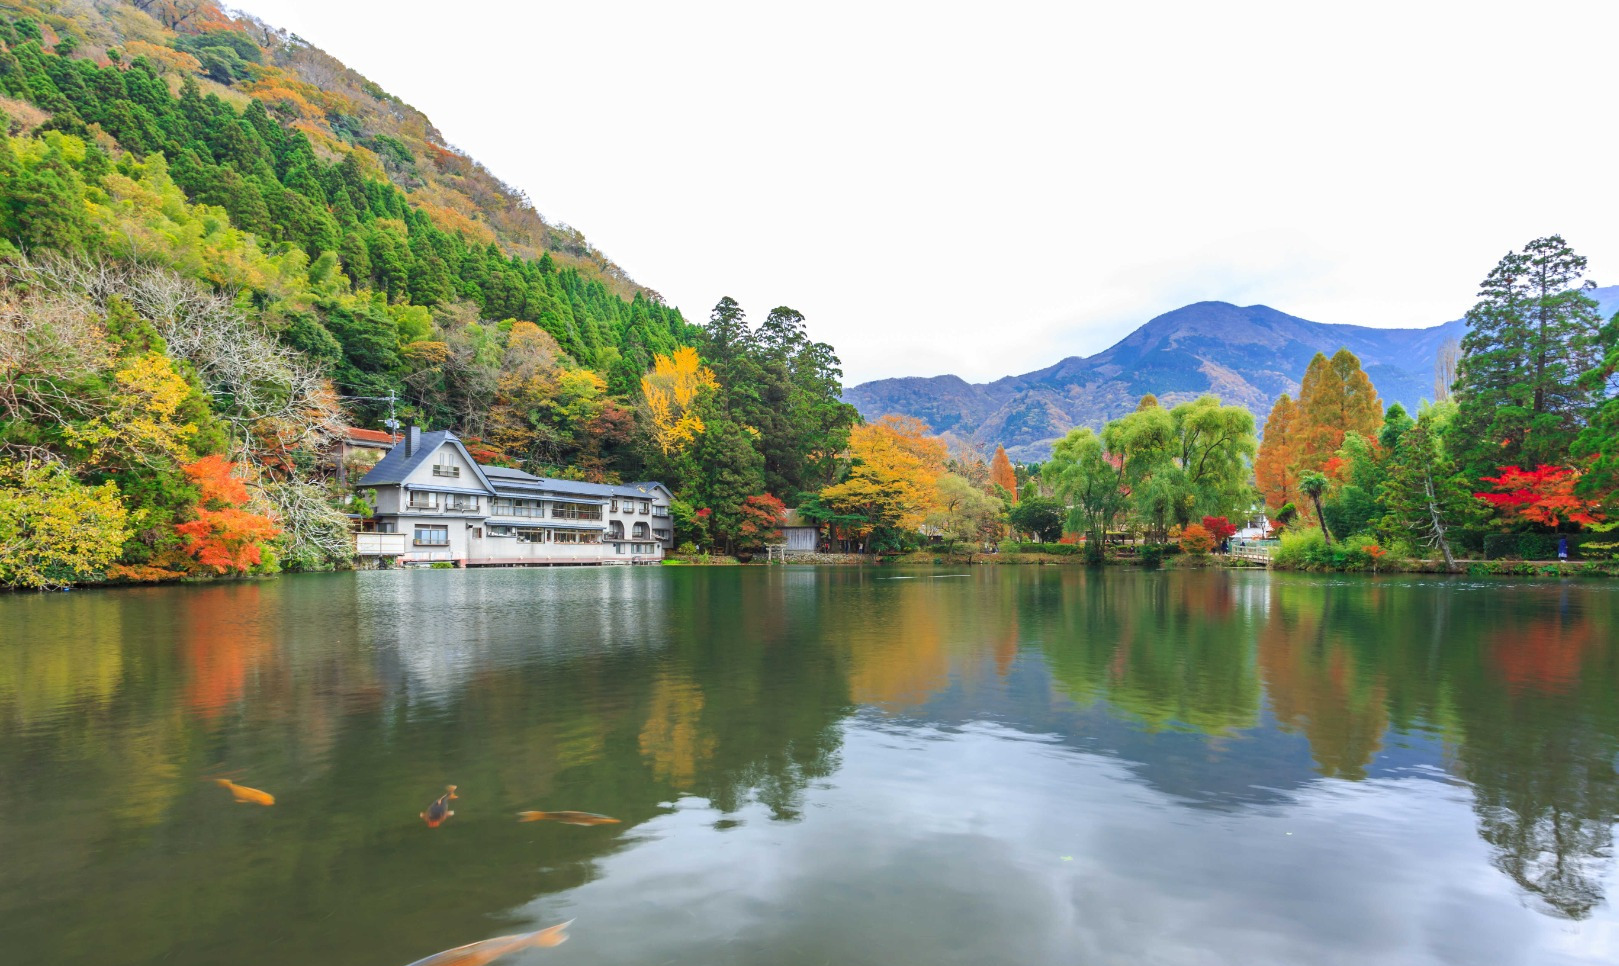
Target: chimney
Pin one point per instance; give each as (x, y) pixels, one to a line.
(413, 439)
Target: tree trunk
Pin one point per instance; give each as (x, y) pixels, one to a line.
(1321, 518)
(1438, 522)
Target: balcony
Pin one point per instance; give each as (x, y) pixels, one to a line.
(576, 513)
(454, 471)
(526, 512)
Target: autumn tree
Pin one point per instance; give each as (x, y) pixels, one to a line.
(1544, 496)
(224, 537)
(761, 519)
(671, 392)
(1275, 469)
(1002, 474)
(1532, 338)
(1335, 397)
(54, 530)
(894, 467)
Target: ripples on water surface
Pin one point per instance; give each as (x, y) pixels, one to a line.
(1027, 765)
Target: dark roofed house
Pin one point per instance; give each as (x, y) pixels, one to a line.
(454, 509)
(356, 447)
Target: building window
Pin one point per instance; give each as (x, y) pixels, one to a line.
(618, 548)
(432, 536)
(645, 507)
(615, 504)
(422, 500)
(576, 511)
(531, 536)
(446, 469)
(641, 531)
(461, 504)
(495, 530)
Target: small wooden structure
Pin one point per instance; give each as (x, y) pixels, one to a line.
(798, 535)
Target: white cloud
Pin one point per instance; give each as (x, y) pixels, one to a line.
(986, 189)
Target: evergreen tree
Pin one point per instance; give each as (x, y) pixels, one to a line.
(1422, 493)
(1532, 336)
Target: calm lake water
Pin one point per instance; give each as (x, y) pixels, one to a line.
(815, 766)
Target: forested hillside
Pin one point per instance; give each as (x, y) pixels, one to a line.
(219, 246)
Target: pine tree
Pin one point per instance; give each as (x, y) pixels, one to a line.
(1531, 337)
(1422, 492)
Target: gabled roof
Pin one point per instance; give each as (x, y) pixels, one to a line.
(396, 467)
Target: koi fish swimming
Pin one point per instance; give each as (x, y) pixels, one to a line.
(476, 954)
(567, 818)
(245, 795)
(440, 810)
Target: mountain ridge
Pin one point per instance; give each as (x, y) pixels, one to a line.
(1246, 355)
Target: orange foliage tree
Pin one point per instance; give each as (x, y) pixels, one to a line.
(224, 538)
(1274, 471)
(1002, 474)
(894, 469)
(1335, 397)
(1196, 540)
(1543, 495)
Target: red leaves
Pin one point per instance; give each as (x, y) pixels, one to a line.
(762, 516)
(1219, 527)
(224, 537)
(1544, 495)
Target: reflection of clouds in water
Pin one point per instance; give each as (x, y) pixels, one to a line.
(1075, 861)
(443, 628)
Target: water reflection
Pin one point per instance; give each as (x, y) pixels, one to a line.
(821, 760)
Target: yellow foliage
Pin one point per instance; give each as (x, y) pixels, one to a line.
(163, 58)
(141, 422)
(54, 530)
(895, 466)
(672, 390)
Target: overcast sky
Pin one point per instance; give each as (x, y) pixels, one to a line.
(984, 189)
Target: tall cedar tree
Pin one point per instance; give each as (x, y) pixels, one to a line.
(1599, 441)
(1336, 397)
(1531, 338)
(1275, 469)
(1002, 474)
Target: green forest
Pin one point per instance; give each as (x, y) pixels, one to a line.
(199, 295)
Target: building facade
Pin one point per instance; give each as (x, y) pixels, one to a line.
(449, 508)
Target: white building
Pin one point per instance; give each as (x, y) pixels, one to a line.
(444, 506)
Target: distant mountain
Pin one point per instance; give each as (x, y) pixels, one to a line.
(1246, 355)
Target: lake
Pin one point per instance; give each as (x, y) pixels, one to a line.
(815, 766)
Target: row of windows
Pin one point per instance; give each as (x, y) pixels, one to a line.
(450, 502)
(629, 505)
(437, 536)
(634, 548)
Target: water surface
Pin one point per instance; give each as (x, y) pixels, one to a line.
(1018, 765)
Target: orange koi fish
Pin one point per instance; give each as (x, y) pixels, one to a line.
(245, 795)
(567, 818)
(490, 950)
(440, 809)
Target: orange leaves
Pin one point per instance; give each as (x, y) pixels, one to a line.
(1544, 495)
(1002, 474)
(224, 537)
(895, 465)
(1195, 539)
(1274, 471)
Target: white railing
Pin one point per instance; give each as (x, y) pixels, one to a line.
(379, 544)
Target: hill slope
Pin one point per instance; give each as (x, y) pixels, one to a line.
(1247, 355)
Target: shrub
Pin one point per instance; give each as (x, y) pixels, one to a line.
(1300, 549)
(1152, 555)
(1058, 549)
(1195, 539)
(1095, 552)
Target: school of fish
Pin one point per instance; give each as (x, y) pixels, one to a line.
(488, 950)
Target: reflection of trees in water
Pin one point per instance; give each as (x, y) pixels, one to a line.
(1540, 751)
(1174, 653)
(1318, 686)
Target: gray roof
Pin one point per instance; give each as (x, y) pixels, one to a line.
(396, 467)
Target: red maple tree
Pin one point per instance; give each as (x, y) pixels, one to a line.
(762, 517)
(1219, 527)
(224, 537)
(1543, 495)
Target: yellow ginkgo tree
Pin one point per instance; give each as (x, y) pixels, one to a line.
(672, 390)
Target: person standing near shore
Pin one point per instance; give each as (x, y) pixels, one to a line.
(1562, 548)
